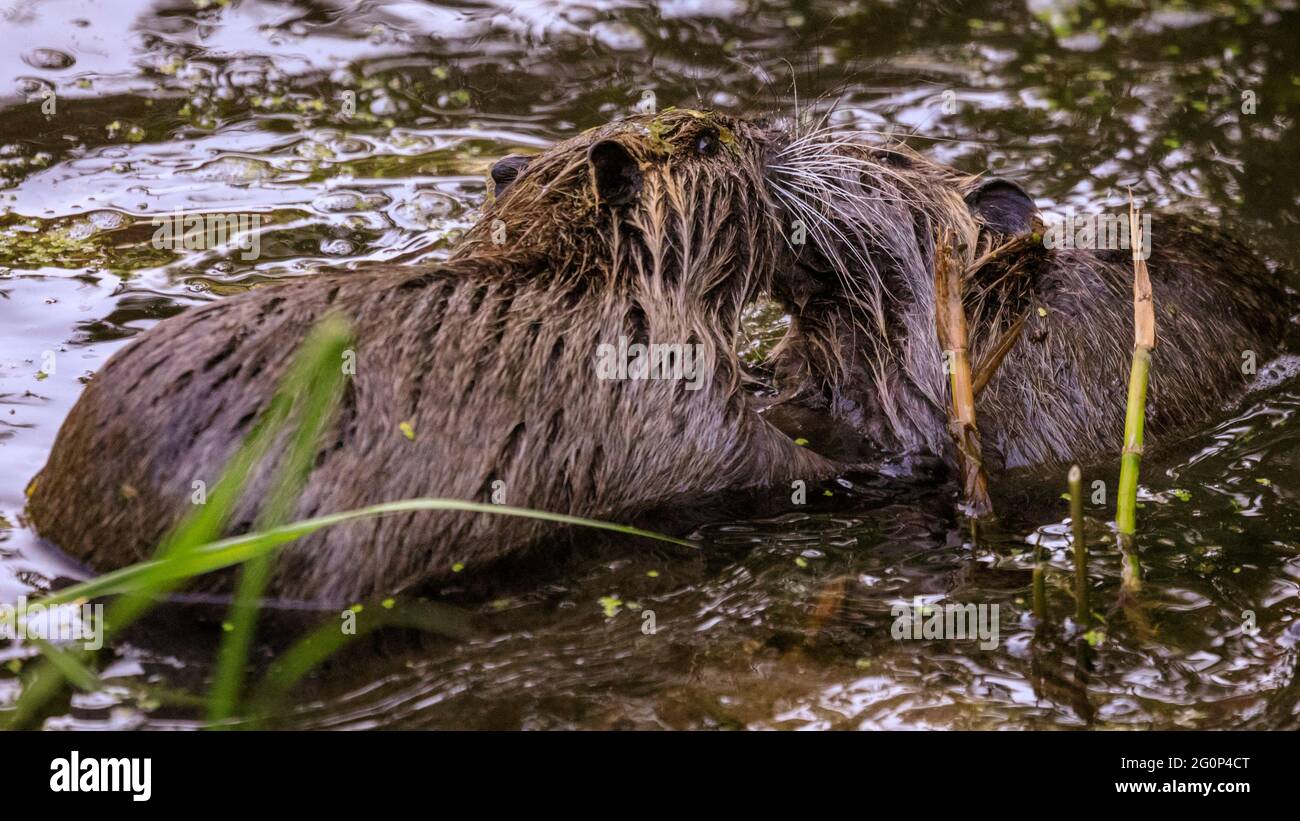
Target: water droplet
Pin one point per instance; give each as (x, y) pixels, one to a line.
(48, 58)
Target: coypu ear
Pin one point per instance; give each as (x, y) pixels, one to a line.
(1002, 206)
(506, 170)
(616, 172)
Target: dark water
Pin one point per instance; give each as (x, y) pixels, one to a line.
(235, 107)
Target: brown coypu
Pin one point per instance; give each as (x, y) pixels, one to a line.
(863, 344)
(656, 228)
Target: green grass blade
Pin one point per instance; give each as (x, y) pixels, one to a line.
(199, 528)
(314, 386)
(236, 549)
(175, 566)
(69, 665)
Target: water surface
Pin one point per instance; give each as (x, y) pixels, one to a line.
(786, 623)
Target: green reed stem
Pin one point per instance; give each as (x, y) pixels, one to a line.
(1131, 460)
(1082, 610)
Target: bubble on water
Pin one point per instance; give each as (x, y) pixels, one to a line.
(350, 145)
(384, 106)
(426, 207)
(108, 220)
(81, 229)
(31, 86)
(48, 58)
(338, 201)
(338, 247)
(1276, 372)
(234, 171)
(724, 99)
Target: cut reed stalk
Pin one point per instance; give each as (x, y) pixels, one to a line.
(1144, 340)
(950, 322)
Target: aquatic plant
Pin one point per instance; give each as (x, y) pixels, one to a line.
(1144, 340)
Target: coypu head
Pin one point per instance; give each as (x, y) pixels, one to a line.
(671, 211)
(861, 290)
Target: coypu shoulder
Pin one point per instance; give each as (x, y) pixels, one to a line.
(652, 230)
(863, 344)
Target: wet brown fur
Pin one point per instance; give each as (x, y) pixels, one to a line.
(862, 344)
(489, 356)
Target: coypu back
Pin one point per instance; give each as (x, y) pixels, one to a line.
(652, 229)
(863, 345)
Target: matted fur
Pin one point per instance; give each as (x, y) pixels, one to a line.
(863, 343)
(490, 358)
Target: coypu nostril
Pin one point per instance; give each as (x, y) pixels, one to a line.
(506, 170)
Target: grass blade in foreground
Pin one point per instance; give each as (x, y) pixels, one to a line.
(313, 388)
(237, 549)
(199, 528)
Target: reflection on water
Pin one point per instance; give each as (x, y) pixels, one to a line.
(362, 131)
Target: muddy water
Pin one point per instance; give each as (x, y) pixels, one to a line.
(361, 131)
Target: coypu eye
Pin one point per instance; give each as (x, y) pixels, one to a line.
(708, 144)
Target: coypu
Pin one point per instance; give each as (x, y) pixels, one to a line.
(863, 348)
(653, 229)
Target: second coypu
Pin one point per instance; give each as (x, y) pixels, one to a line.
(863, 344)
(654, 229)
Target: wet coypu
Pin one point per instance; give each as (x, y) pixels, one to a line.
(863, 346)
(656, 229)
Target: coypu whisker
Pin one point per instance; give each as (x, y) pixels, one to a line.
(800, 207)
